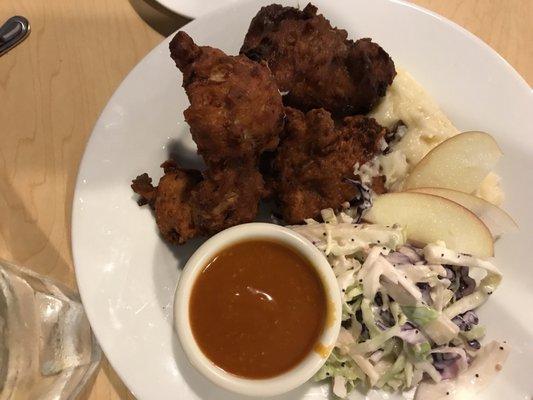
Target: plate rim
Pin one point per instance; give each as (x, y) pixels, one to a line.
(185, 12)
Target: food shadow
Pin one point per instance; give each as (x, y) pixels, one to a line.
(168, 262)
(183, 151)
(169, 259)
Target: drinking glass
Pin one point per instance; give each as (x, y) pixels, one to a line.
(47, 349)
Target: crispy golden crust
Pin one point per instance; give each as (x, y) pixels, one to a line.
(170, 201)
(315, 63)
(187, 204)
(226, 197)
(236, 110)
(316, 157)
(235, 114)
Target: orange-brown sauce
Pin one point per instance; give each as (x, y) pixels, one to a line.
(257, 309)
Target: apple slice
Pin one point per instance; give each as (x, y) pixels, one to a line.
(497, 220)
(428, 218)
(460, 163)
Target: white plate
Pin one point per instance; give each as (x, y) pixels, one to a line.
(194, 8)
(127, 275)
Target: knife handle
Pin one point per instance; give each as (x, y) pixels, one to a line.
(14, 31)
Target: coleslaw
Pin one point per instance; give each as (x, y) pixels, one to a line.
(409, 316)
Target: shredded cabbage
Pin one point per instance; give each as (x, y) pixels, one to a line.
(408, 313)
(420, 315)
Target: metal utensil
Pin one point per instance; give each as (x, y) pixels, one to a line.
(14, 31)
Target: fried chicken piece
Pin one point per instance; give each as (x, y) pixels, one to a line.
(315, 63)
(236, 113)
(170, 200)
(187, 204)
(316, 158)
(226, 197)
(236, 110)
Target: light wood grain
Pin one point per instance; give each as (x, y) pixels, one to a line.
(54, 85)
(505, 25)
(52, 88)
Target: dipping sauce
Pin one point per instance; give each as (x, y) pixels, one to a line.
(257, 309)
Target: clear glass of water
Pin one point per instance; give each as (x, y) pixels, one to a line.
(47, 349)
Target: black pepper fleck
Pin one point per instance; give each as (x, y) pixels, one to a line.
(379, 241)
(384, 248)
(442, 255)
(324, 234)
(360, 280)
(477, 375)
(416, 331)
(343, 364)
(353, 240)
(447, 393)
(501, 347)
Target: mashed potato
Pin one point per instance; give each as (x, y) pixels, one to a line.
(407, 103)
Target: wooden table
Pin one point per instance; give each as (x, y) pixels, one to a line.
(54, 85)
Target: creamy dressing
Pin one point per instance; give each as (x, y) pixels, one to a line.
(426, 126)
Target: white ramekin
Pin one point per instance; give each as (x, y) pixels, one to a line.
(310, 364)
